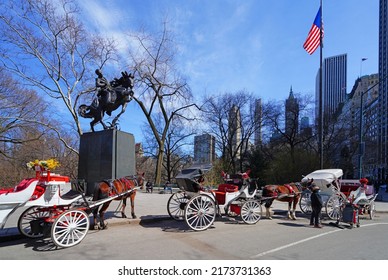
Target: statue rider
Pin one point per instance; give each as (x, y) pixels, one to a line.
(105, 92)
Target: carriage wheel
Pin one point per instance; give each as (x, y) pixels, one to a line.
(305, 203)
(333, 206)
(70, 228)
(176, 205)
(200, 212)
(251, 212)
(372, 210)
(31, 222)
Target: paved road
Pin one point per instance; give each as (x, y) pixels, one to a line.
(164, 238)
(277, 239)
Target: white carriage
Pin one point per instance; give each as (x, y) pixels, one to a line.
(328, 181)
(199, 206)
(336, 192)
(53, 207)
(363, 198)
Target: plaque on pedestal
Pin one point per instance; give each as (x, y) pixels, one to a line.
(106, 154)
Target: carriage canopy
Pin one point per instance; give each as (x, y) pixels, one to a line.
(324, 178)
(187, 179)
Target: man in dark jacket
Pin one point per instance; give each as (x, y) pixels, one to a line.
(316, 205)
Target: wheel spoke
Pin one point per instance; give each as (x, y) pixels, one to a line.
(32, 214)
(333, 206)
(200, 212)
(70, 228)
(251, 212)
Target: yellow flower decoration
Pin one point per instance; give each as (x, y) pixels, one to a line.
(49, 164)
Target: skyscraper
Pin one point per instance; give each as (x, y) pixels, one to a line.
(258, 119)
(234, 131)
(334, 83)
(292, 114)
(204, 148)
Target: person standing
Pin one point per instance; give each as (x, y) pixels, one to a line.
(316, 205)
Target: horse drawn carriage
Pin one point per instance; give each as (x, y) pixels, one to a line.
(52, 207)
(360, 195)
(199, 206)
(336, 192)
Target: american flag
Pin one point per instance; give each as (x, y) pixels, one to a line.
(313, 38)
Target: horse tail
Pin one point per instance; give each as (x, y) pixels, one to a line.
(96, 192)
(268, 202)
(83, 111)
(100, 191)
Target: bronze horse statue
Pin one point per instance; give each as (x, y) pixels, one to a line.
(110, 96)
(290, 193)
(109, 188)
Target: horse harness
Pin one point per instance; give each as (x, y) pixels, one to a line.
(275, 193)
(291, 190)
(125, 181)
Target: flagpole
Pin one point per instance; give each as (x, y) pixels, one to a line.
(320, 93)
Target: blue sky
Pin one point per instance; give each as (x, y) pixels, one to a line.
(256, 45)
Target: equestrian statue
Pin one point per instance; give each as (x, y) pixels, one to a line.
(110, 96)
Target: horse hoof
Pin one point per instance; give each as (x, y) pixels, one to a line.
(96, 227)
(123, 215)
(134, 216)
(103, 226)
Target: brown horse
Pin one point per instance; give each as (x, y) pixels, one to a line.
(106, 189)
(290, 193)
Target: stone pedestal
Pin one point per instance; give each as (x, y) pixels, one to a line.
(107, 154)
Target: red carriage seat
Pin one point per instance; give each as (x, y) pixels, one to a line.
(21, 186)
(24, 184)
(222, 190)
(227, 188)
(2, 191)
(347, 188)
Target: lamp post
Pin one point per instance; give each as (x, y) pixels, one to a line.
(361, 147)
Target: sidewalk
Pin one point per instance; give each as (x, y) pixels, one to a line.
(149, 207)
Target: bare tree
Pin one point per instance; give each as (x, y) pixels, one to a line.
(25, 137)
(44, 44)
(232, 132)
(176, 149)
(178, 141)
(161, 92)
(284, 122)
(341, 142)
(18, 106)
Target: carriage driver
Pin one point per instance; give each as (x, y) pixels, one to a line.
(364, 183)
(316, 206)
(359, 196)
